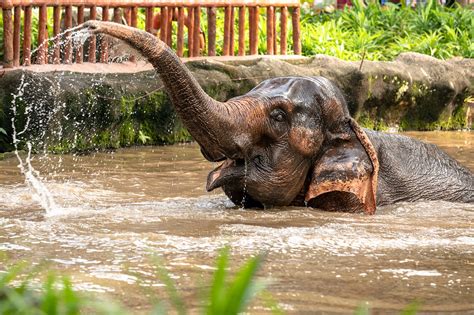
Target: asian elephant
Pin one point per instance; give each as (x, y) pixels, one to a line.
(291, 141)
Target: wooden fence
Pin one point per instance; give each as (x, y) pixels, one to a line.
(17, 48)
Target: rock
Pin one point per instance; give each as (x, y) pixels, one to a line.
(97, 106)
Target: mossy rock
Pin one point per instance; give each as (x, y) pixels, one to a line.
(72, 111)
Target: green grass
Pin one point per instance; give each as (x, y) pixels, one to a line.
(226, 295)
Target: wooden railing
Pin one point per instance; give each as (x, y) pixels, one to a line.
(17, 48)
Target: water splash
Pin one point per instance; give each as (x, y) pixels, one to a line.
(77, 35)
(245, 183)
(41, 194)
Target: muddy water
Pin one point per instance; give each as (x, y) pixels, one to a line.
(118, 209)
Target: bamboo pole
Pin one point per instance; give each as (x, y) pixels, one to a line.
(42, 36)
(242, 30)
(93, 38)
(180, 43)
(295, 18)
(7, 38)
(80, 49)
(283, 33)
(16, 36)
(211, 31)
(56, 31)
(197, 31)
(68, 45)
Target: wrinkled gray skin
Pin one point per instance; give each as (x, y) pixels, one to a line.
(413, 170)
(289, 135)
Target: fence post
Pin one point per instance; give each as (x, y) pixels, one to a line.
(190, 24)
(283, 23)
(42, 36)
(80, 20)
(149, 19)
(27, 37)
(270, 32)
(211, 31)
(68, 25)
(227, 27)
(117, 15)
(133, 23)
(197, 31)
(296, 31)
(163, 23)
(7, 38)
(254, 17)
(242, 31)
(180, 43)
(104, 43)
(56, 31)
(16, 36)
(93, 38)
(128, 16)
(169, 26)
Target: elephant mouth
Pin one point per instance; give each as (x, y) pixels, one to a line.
(231, 171)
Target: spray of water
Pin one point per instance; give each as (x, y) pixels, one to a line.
(41, 194)
(245, 183)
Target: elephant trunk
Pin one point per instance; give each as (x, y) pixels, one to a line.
(202, 115)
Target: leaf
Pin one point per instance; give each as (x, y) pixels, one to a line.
(243, 288)
(143, 137)
(218, 289)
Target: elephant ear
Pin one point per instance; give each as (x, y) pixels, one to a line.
(349, 166)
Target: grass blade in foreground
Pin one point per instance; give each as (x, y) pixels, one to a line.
(234, 297)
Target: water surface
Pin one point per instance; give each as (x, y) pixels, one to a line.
(116, 210)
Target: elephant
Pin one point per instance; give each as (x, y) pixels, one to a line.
(291, 141)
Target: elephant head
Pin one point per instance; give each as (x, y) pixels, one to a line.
(289, 141)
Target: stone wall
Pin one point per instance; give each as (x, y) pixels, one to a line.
(77, 108)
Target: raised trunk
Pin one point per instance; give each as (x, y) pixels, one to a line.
(203, 116)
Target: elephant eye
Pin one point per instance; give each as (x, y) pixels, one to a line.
(278, 115)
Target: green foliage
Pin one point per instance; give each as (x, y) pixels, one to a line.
(411, 309)
(57, 296)
(383, 32)
(232, 298)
